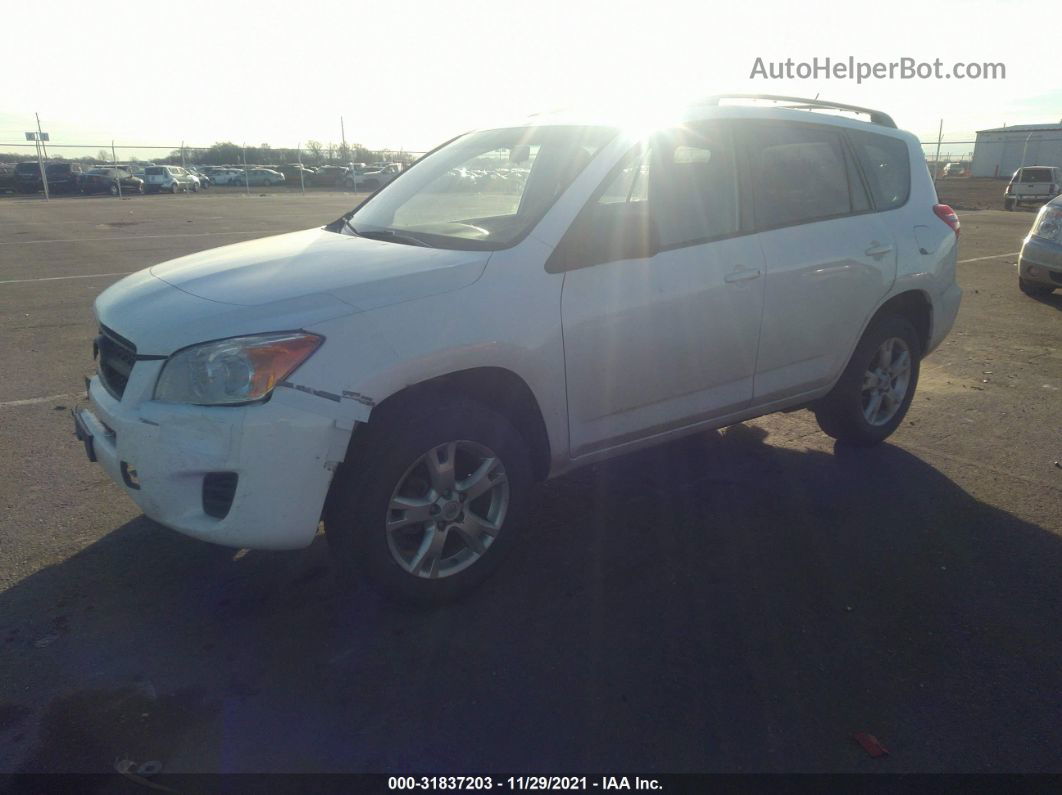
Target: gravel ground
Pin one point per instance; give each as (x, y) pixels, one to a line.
(741, 601)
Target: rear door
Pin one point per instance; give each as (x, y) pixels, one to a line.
(829, 257)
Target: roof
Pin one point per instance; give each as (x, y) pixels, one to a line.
(1024, 128)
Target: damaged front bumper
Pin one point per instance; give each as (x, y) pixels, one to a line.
(248, 476)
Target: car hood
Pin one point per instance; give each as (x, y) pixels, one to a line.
(288, 281)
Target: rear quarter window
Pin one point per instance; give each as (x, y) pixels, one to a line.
(799, 174)
(887, 167)
(153, 171)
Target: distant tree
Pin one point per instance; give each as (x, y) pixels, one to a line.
(102, 156)
(315, 149)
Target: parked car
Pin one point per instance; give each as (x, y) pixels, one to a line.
(328, 176)
(953, 170)
(63, 177)
(1032, 185)
(7, 178)
(204, 179)
(169, 178)
(369, 180)
(28, 177)
(108, 180)
(226, 176)
(263, 176)
(407, 372)
(1040, 260)
(292, 172)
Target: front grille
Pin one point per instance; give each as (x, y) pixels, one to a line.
(117, 355)
(218, 490)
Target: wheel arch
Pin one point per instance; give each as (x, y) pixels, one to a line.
(916, 306)
(498, 388)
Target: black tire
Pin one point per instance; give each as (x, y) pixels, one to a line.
(1034, 290)
(174, 187)
(360, 499)
(1008, 204)
(840, 413)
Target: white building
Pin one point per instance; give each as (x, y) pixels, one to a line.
(1001, 151)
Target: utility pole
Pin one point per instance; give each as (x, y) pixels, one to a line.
(343, 133)
(45, 148)
(302, 179)
(117, 176)
(936, 157)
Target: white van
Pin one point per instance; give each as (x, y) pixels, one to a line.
(410, 370)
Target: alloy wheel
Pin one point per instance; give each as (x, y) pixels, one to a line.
(886, 381)
(447, 509)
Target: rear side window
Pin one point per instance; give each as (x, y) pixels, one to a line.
(800, 174)
(1035, 175)
(153, 170)
(886, 165)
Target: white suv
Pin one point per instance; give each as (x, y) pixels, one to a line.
(407, 372)
(169, 179)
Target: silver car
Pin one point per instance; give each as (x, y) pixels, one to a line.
(1040, 261)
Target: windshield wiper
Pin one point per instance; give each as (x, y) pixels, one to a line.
(388, 234)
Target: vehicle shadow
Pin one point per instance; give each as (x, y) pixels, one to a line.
(1051, 299)
(717, 604)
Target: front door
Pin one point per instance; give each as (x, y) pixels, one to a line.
(662, 296)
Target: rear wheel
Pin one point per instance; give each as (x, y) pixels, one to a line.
(1033, 289)
(433, 501)
(873, 394)
(1008, 204)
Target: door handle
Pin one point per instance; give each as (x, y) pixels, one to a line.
(877, 250)
(741, 276)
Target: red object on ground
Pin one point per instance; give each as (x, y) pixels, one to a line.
(870, 744)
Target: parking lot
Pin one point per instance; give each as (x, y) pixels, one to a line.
(741, 601)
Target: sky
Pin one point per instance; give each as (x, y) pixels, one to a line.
(408, 75)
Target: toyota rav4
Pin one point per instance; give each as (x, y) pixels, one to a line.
(407, 372)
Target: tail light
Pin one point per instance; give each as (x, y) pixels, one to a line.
(948, 216)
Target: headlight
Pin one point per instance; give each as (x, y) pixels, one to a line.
(236, 370)
(1049, 224)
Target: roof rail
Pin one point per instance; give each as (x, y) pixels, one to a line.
(876, 116)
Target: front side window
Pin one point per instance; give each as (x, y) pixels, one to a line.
(677, 189)
(799, 174)
(485, 190)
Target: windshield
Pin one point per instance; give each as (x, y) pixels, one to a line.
(27, 168)
(484, 190)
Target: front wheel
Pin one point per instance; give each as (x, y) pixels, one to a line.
(432, 502)
(1008, 204)
(174, 188)
(875, 390)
